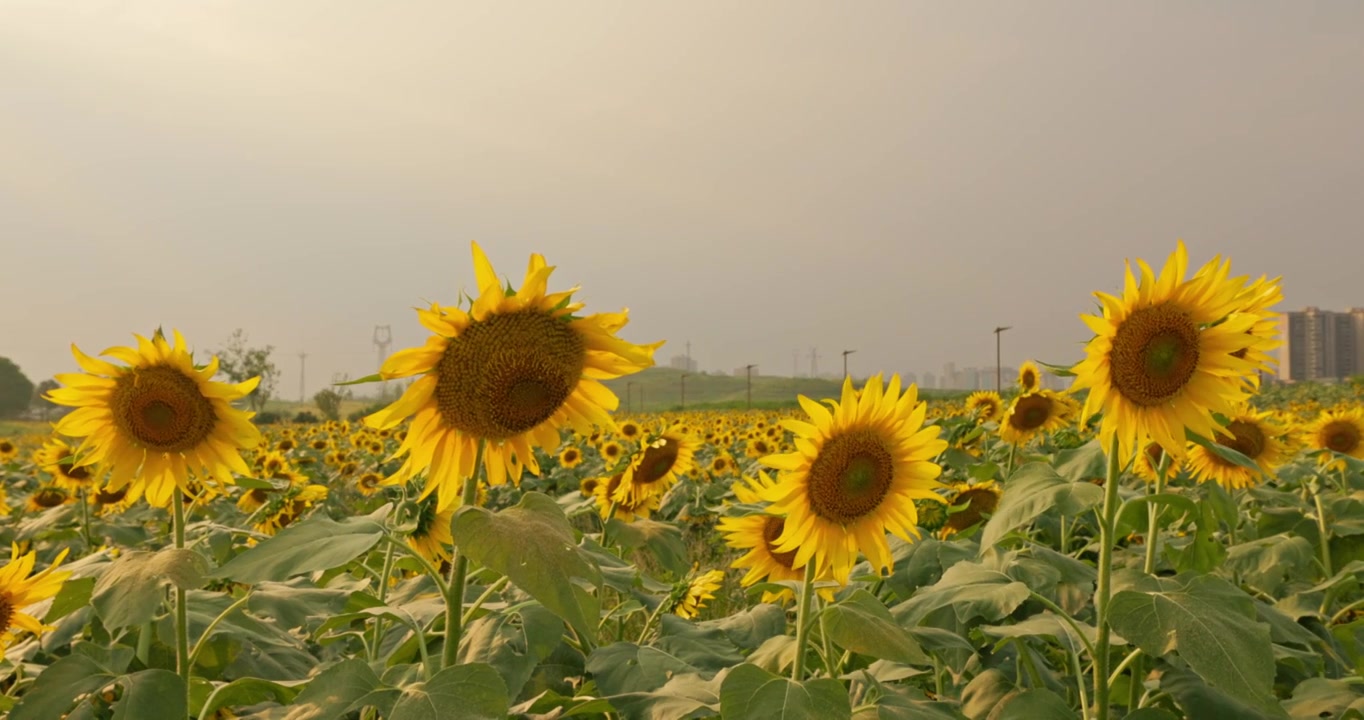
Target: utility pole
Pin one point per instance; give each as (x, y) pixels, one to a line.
(999, 372)
(629, 390)
(383, 339)
(814, 362)
(688, 356)
(846, 353)
(302, 358)
(684, 390)
(748, 370)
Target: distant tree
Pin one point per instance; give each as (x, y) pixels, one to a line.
(329, 403)
(16, 390)
(239, 363)
(40, 403)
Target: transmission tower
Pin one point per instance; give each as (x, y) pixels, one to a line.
(795, 363)
(302, 358)
(383, 339)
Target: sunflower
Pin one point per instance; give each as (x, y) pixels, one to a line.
(571, 457)
(1162, 359)
(970, 505)
(1256, 299)
(932, 514)
(511, 371)
(606, 492)
(757, 533)
(115, 502)
(611, 452)
(431, 538)
(1034, 413)
(1148, 462)
(855, 474)
(57, 459)
(150, 423)
(758, 447)
(287, 506)
(1340, 431)
(657, 466)
(588, 486)
(629, 430)
(46, 497)
(700, 589)
(368, 483)
(8, 450)
(721, 464)
(1029, 377)
(1250, 433)
(986, 405)
(20, 588)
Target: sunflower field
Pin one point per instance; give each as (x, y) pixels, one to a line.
(1164, 540)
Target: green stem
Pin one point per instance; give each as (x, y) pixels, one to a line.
(181, 608)
(605, 529)
(649, 621)
(829, 663)
(1065, 536)
(85, 521)
(807, 591)
(1065, 617)
(144, 644)
(1009, 469)
(454, 600)
(1127, 661)
(1080, 684)
(469, 614)
(383, 597)
(1104, 591)
(203, 639)
(1323, 535)
(1153, 515)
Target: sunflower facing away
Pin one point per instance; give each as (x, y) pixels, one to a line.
(700, 589)
(1034, 413)
(1029, 377)
(855, 474)
(1162, 359)
(512, 370)
(432, 536)
(1250, 433)
(970, 505)
(151, 423)
(986, 405)
(58, 460)
(20, 588)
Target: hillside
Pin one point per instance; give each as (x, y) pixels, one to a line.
(661, 389)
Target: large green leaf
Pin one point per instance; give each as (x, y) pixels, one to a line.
(972, 590)
(463, 692)
(626, 667)
(513, 643)
(129, 592)
(151, 695)
(248, 691)
(1031, 704)
(74, 595)
(664, 540)
(707, 649)
(54, 692)
(862, 624)
(533, 545)
(335, 691)
(317, 543)
(1266, 564)
(684, 696)
(752, 693)
(1211, 625)
(1032, 490)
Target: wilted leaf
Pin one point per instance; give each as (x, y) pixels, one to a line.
(129, 592)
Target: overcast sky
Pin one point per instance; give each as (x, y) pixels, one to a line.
(754, 177)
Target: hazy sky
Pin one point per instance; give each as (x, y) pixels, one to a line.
(893, 177)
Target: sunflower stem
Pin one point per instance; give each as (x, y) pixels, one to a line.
(182, 656)
(383, 598)
(1009, 469)
(1322, 534)
(459, 571)
(605, 524)
(649, 621)
(1104, 591)
(85, 521)
(807, 591)
(1153, 514)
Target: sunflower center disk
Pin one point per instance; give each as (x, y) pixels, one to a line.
(1247, 439)
(6, 611)
(771, 531)
(1155, 353)
(1342, 437)
(507, 374)
(850, 477)
(162, 409)
(658, 460)
(1032, 412)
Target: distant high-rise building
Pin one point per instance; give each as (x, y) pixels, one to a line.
(948, 379)
(1321, 344)
(683, 363)
(910, 379)
(929, 381)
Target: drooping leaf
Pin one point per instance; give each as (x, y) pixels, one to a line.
(973, 591)
(151, 695)
(1031, 704)
(248, 691)
(463, 692)
(626, 667)
(862, 624)
(1032, 490)
(129, 592)
(513, 643)
(335, 691)
(663, 540)
(683, 696)
(533, 545)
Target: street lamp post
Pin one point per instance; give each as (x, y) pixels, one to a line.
(684, 390)
(748, 370)
(999, 372)
(846, 353)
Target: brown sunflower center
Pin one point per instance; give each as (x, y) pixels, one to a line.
(162, 408)
(260, 496)
(1341, 436)
(6, 611)
(1155, 353)
(1247, 439)
(850, 477)
(1154, 453)
(1030, 412)
(979, 502)
(6, 447)
(48, 497)
(109, 497)
(1029, 378)
(657, 462)
(507, 374)
(772, 528)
